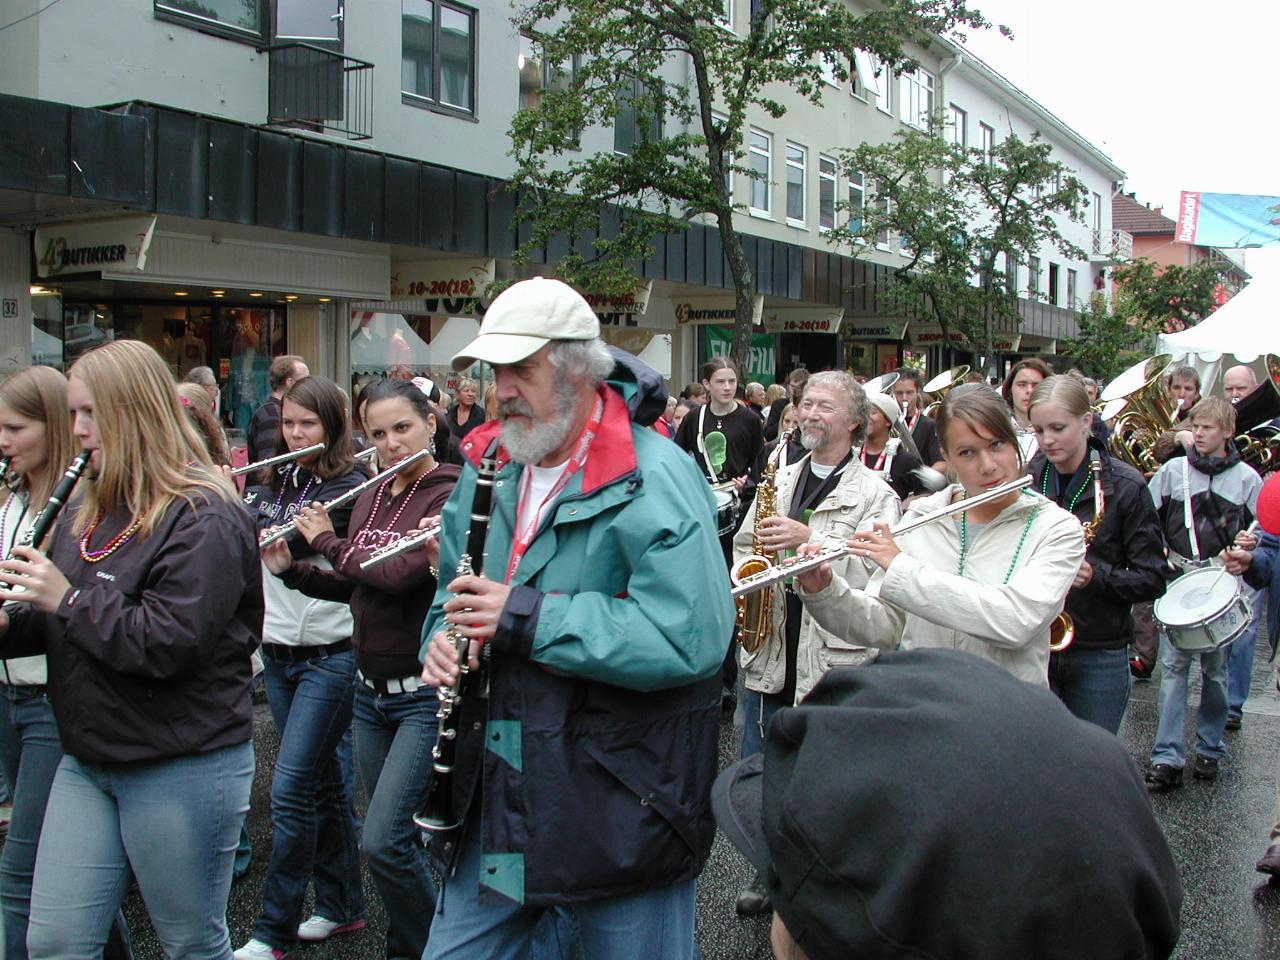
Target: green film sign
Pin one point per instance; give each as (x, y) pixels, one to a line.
(762, 359)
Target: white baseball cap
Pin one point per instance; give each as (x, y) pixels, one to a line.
(888, 406)
(526, 317)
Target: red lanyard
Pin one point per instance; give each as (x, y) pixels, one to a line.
(879, 462)
(911, 421)
(525, 537)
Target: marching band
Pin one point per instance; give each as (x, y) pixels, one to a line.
(565, 675)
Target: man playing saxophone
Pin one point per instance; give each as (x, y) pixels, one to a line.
(825, 496)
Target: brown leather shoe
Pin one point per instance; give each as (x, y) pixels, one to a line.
(1270, 862)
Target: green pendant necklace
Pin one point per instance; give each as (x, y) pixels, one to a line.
(964, 541)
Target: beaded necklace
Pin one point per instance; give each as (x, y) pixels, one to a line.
(1044, 487)
(377, 500)
(964, 542)
(114, 544)
(4, 515)
(284, 483)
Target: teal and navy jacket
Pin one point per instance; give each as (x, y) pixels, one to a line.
(590, 763)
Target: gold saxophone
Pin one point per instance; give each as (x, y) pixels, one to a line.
(1063, 629)
(754, 612)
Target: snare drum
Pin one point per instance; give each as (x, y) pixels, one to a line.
(1203, 610)
(726, 511)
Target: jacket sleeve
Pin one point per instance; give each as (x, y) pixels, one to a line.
(452, 540)
(193, 588)
(310, 580)
(1141, 577)
(670, 628)
(24, 636)
(1263, 565)
(860, 617)
(1010, 615)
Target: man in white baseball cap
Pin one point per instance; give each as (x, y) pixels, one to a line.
(602, 667)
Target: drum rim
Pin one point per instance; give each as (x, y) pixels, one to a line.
(1184, 582)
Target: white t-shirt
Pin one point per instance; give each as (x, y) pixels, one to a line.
(541, 480)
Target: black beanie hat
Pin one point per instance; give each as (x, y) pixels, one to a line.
(930, 805)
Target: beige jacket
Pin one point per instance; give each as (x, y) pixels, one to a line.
(859, 499)
(922, 601)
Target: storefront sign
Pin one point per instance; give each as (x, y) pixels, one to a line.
(1033, 346)
(874, 328)
(931, 335)
(636, 302)
(803, 319)
(1005, 343)
(119, 245)
(695, 310)
(761, 357)
(454, 279)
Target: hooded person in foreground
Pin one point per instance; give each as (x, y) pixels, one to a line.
(929, 805)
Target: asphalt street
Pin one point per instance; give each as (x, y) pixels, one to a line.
(1216, 831)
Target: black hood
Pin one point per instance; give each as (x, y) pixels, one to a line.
(641, 386)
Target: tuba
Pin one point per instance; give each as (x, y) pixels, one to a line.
(1063, 629)
(1139, 411)
(1258, 438)
(754, 613)
(937, 387)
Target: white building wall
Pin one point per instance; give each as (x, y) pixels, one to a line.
(15, 300)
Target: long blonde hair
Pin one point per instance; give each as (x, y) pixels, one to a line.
(40, 393)
(148, 445)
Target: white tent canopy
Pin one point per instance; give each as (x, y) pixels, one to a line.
(1246, 328)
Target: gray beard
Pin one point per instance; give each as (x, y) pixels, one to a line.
(529, 445)
(812, 441)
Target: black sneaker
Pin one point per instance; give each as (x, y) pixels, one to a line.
(1205, 768)
(753, 899)
(1162, 777)
(1234, 722)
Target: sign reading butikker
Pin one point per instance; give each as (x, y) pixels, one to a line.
(120, 244)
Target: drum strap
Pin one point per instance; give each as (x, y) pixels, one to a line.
(1188, 517)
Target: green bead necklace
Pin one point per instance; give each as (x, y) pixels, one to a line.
(964, 541)
(1044, 488)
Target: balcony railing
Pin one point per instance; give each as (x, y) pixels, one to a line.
(312, 88)
(1113, 247)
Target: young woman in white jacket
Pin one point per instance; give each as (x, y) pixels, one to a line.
(988, 581)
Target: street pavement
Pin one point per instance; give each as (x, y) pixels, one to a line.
(1216, 832)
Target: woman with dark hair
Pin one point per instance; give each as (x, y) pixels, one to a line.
(395, 713)
(989, 581)
(1024, 376)
(1125, 561)
(147, 607)
(309, 672)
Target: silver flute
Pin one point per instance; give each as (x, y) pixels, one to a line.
(413, 538)
(288, 529)
(797, 565)
(282, 458)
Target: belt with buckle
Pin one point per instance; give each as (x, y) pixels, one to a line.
(286, 653)
(387, 687)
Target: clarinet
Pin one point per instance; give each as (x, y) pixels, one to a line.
(437, 812)
(44, 520)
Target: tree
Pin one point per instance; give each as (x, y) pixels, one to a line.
(1168, 299)
(963, 216)
(1108, 337)
(610, 63)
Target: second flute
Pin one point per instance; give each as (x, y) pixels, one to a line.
(279, 533)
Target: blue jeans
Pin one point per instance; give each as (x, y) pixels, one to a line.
(313, 834)
(655, 924)
(30, 750)
(757, 710)
(394, 735)
(1211, 718)
(1240, 660)
(1093, 684)
(175, 822)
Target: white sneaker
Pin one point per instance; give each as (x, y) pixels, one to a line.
(316, 928)
(257, 950)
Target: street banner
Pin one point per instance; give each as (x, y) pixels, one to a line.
(762, 358)
(1227, 220)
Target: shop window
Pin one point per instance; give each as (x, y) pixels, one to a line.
(437, 60)
(242, 18)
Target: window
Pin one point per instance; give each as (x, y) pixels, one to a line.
(884, 81)
(958, 127)
(862, 78)
(230, 16)
(759, 149)
(796, 161)
(1072, 277)
(1033, 276)
(1053, 283)
(988, 144)
(828, 69)
(879, 210)
(638, 119)
(915, 98)
(437, 60)
(826, 193)
(537, 74)
(725, 16)
(857, 202)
